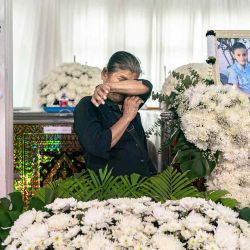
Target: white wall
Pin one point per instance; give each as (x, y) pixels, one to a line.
(6, 104)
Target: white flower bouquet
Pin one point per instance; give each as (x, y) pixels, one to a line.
(217, 118)
(69, 80)
(171, 82)
(212, 120)
(189, 223)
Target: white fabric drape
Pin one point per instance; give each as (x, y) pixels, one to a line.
(160, 33)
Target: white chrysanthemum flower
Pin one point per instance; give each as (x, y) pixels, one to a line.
(166, 242)
(99, 241)
(97, 216)
(50, 99)
(149, 229)
(73, 231)
(187, 234)
(126, 241)
(11, 247)
(195, 221)
(244, 243)
(164, 214)
(80, 241)
(245, 227)
(85, 205)
(225, 212)
(226, 236)
(130, 223)
(66, 78)
(35, 233)
(211, 213)
(7, 241)
(61, 221)
(238, 186)
(203, 237)
(45, 91)
(71, 94)
(76, 73)
(55, 87)
(40, 216)
(193, 243)
(171, 226)
(62, 204)
(24, 221)
(211, 246)
(190, 203)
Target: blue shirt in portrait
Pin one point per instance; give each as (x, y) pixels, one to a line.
(240, 76)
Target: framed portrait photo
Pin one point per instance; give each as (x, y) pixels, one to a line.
(232, 54)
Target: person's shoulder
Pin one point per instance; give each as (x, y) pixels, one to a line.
(85, 108)
(233, 68)
(84, 101)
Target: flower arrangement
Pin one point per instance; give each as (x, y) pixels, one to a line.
(213, 132)
(70, 80)
(217, 118)
(171, 82)
(236, 180)
(189, 223)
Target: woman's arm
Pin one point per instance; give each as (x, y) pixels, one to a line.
(126, 87)
(130, 108)
(129, 87)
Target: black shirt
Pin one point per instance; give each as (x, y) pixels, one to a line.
(93, 127)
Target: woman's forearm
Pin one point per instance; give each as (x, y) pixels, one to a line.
(128, 87)
(118, 130)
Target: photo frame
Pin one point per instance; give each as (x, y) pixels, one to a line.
(222, 48)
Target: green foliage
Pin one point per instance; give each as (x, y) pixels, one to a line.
(11, 208)
(17, 201)
(218, 196)
(169, 184)
(185, 82)
(155, 129)
(245, 214)
(160, 97)
(192, 159)
(83, 186)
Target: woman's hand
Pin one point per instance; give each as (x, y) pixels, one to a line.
(100, 94)
(130, 107)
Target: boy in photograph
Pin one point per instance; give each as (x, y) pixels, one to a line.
(239, 72)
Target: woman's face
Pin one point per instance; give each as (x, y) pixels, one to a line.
(118, 76)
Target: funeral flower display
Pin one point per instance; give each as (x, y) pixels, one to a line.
(69, 80)
(189, 223)
(213, 119)
(217, 118)
(204, 70)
